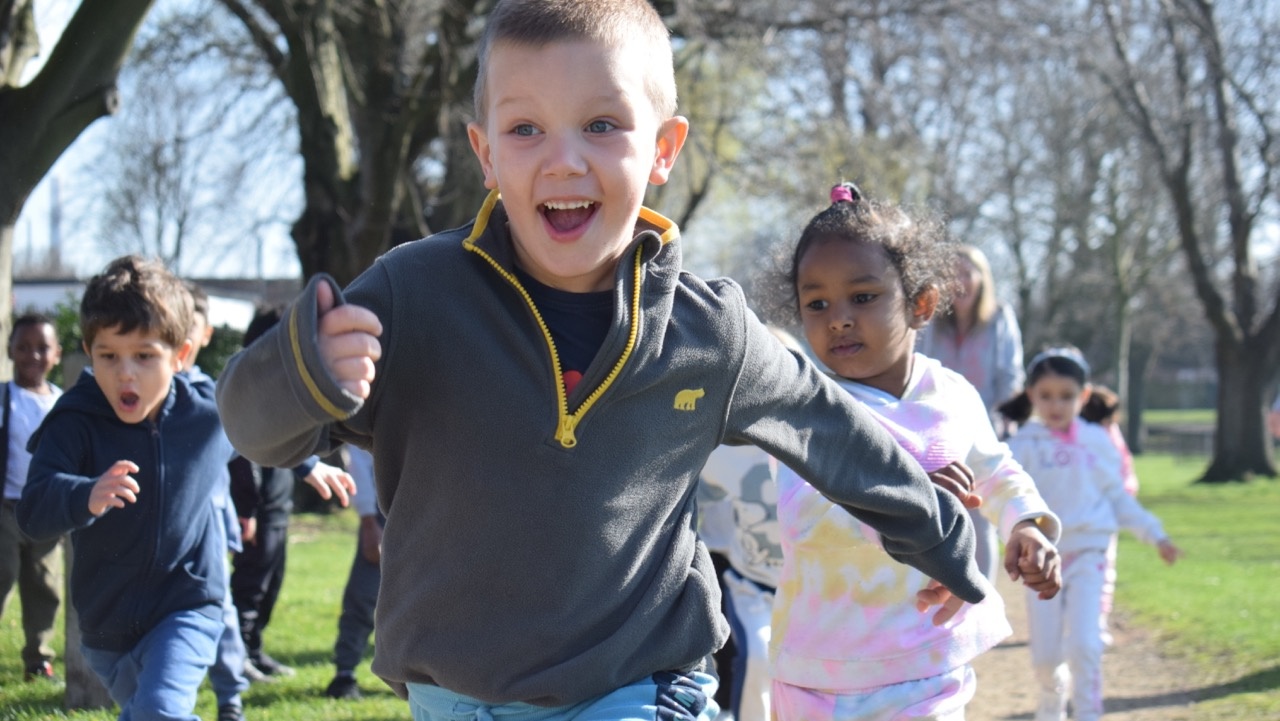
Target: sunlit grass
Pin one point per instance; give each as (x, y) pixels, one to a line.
(1218, 605)
(301, 634)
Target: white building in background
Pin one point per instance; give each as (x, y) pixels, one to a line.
(44, 296)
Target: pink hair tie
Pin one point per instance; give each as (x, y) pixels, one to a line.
(841, 193)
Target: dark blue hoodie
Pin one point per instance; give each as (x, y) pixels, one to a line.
(134, 565)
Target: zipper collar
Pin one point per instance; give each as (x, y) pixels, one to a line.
(653, 232)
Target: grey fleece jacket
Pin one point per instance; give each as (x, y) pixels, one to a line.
(542, 548)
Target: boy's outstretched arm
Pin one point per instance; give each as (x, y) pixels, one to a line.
(314, 368)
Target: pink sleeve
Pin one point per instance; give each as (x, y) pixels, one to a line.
(1126, 459)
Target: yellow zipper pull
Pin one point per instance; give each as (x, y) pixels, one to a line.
(565, 432)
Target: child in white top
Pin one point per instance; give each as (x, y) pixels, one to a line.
(1077, 469)
(35, 566)
(850, 639)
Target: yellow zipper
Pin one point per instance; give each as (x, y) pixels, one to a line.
(568, 422)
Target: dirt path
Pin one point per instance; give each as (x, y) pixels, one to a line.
(1141, 684)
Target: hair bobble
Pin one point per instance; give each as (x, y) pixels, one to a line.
(845, 193)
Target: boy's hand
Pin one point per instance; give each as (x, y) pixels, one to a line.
(957, 478)
(371, 539)
(1033, 558)
(348, 339)
(1168, 551)
(114, 488)
(330, 481)
(936, 594)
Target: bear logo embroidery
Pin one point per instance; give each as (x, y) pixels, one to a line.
(687, 399)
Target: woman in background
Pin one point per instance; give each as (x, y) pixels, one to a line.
(980, 340)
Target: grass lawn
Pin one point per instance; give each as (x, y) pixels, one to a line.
(1216, 607)
(301, 634)
(1179, 416)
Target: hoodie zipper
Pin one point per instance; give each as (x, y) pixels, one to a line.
(567, 423)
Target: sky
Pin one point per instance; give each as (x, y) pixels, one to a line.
(72, 182)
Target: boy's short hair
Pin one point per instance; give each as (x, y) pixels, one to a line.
(133, 292)
(534, 23)
(199, 299)
(27, 319)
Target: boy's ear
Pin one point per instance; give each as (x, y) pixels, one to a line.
(180, 355)
(480, 146)
(926, 304)
(671, 139)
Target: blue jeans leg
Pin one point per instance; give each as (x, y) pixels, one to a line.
(157, 679)
(664, 696)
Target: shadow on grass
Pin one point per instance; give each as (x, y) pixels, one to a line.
(1264, 680)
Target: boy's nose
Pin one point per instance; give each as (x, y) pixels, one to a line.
(564, 157)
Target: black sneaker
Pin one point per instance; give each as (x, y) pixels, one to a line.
(271, 667)
(42, 671)
(343, 686)
(230, 712)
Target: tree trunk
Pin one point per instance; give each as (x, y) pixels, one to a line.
(40, 120)
(1241, 446)
(1139, 368)
(84, 690)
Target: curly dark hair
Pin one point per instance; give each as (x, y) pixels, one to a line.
(915, 239)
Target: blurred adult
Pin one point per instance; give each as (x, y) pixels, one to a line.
(979, 339)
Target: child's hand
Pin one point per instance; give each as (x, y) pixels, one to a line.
(936, 594)
(957, 478)
(371, 539)
(1168, 551)
(1033, 558)
(114, 488)
(249, 530)
(330, 481)
(348, 339)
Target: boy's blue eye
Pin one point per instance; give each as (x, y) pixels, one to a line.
(524, 129)
(599, 126)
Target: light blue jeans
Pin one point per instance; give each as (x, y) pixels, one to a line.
(157, 679)
(665, 696)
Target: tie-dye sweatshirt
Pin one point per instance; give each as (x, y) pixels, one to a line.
(844, 618)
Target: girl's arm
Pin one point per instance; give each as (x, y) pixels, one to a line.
(1008, 492)
(1130, 514)
(785, 405)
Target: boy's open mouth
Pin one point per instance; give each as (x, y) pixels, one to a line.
(567, 216)
(129, 400)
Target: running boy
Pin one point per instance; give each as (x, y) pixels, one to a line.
(540, 389)
(127, 461)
